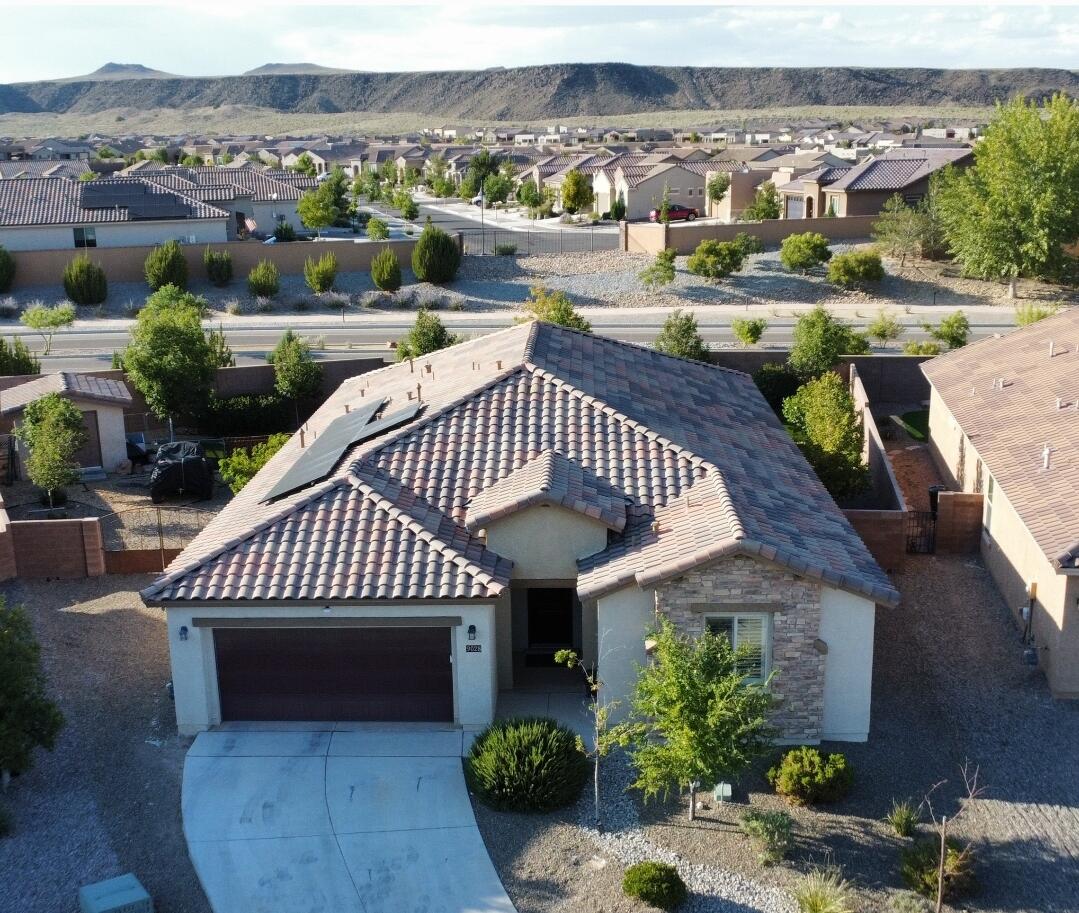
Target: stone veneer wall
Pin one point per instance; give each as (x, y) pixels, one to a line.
(745, 584)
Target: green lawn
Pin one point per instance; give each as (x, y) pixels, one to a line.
(916, 424)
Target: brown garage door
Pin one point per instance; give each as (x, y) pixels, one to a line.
(334, 673)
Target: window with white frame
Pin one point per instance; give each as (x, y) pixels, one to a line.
(751, 631)
(987, 520)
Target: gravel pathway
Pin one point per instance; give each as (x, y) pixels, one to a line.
(107, 800)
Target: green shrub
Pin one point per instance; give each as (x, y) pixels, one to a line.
(772, 831)
(1025, 314)
(16, 359)
(218, 264)
(264, 281)
(806, 777)
(85, 282)
(166, 265)
(919, 867)
(7, 270)
(377, 229)
(921, 348)
(749, 244)
(824, 891)
(321, 273)
(284, 232)
(908, 903)
(855, 267)
(505, 250)
(527, 765)
(248, 413)
(776, 382)
(716, 259)
(903, 817)
(656, 883)
(436, 256)
(386, 270)
(241, 466)
(749, 330)
(804, 251)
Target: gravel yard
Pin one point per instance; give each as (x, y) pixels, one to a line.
(602, 278)
(107, 800)
(938, 701)
(127, 497)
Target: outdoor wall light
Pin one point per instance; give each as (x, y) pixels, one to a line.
(471, 632)
(183, 632)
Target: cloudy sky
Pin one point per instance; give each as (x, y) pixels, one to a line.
(215, 37)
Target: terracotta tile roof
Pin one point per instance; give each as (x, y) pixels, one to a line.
(551, 478)
(1010, 426)
(48, 169)
(898, 168)
(600, 418)
(66, 383)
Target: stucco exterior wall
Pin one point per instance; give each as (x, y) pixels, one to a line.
(194, 669)
(119, 234)
(622, 620)
(1013, 557)
(544, 543)
(846, 628)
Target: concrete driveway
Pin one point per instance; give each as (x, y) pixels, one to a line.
(336, 818)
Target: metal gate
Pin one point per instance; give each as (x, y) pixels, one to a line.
(487, 241)
(921, 532)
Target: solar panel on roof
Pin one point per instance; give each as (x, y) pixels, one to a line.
(389, 421)
(320, 456)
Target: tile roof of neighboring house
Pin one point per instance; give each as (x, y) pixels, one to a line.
(553, 479)
(825, 177)
(897, 168)
(1010, 427)
(39, 169)
(66, 383)
(213, 184)
(649, 426)
(59, 201)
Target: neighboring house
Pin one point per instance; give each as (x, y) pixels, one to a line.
(47, 169)
(441, 526)
(101, 401)
(803, 198)
(1004, 421)
(59, 150)
(641, 186)
(58, 214)
(866, 187)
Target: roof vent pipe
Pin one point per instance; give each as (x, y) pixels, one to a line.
(348, 408)
(419, 392)
(1059, 402)
(302, 444)
(1045, 456)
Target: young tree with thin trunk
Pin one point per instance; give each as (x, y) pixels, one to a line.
(47, 321)
(296, 374)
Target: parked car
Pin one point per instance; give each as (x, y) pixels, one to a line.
(676, 213)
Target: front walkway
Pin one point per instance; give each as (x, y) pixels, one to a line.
(349, 818)
(558, 693)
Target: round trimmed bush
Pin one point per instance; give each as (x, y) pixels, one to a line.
(804, 251)
(166, 265)
(386, 270)
(85, 282)
(377, 229)
(806, 777)
(656, 883)
(919, 865)
(856, 267)
(264, 280)
(527, 765)
(7, 270)
(436, 256)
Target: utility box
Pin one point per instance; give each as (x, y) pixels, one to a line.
(117, 895)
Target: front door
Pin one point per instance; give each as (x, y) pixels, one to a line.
(550, 618)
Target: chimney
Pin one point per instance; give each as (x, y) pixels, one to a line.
(1046, 451)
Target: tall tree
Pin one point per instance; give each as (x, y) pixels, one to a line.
(169, 360)
(52, 429)
(296, 374)
(576, 191)
(1011, 213)
(317, 209)
(820, 340)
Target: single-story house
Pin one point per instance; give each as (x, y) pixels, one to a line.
(61, 214)
(102, 402)
(1004, 421)
(803, 197)
(441, 526)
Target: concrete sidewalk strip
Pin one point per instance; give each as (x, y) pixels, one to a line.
(436, 870)
(245, 797)
(260, 744)
(280, 875)
(393, 743)
(394, 794)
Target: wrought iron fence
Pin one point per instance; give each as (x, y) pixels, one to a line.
(151, 527)
(488, 241)
(921, 532)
